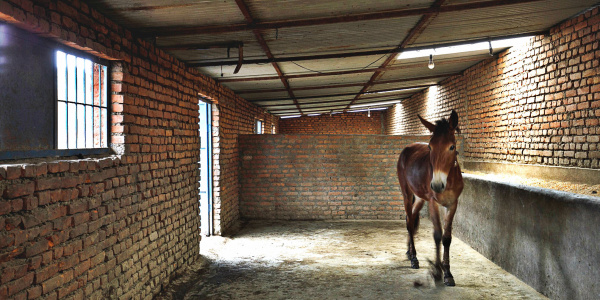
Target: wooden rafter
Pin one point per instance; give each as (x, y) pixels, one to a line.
(412, 35)
(246, 12)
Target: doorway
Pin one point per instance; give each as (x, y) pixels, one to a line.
(206, 183)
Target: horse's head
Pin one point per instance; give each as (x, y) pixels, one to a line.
(442, 149)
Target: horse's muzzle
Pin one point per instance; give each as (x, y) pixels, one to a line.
(438, 187)
(438, 182)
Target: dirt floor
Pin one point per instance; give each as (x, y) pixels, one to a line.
(337, 260)
(572, 187)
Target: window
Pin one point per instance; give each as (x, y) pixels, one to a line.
(259, 127)
(54, 99)
(82, 112)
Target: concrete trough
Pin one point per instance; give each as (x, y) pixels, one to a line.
(547, 238)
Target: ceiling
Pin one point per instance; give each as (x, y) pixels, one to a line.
(295, 57)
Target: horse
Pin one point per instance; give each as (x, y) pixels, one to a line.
(430, 172)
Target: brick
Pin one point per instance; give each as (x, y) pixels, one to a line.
(46, 273)
(34, 292)
(36, 248)
(52, 283)
(13, 172)
(30, 202)
(49, 183)
(19, 284)
(19, 190)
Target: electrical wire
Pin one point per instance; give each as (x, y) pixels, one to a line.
(319, 72)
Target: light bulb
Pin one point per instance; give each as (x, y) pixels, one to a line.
(431, 65)
(369, 112)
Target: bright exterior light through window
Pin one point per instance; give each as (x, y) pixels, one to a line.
(470, 47)
(82, 112)
(259, 127)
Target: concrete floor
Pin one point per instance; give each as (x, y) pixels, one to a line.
(337, 260)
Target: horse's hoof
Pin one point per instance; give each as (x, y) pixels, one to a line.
(414, 263)
(449, 281)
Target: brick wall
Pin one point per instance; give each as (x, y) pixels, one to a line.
(346, 123)
(538, 103)
(235, 117)
(321, 176)
(118, 226)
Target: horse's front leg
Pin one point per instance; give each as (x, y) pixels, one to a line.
(446, 240)
(434, 214)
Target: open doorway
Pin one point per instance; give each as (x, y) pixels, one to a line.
(206, 183)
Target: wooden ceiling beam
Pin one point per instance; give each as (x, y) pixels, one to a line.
(388, 14)
(246, 12)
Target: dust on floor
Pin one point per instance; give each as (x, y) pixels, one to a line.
(337, 260)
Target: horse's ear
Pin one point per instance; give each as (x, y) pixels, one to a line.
(429, 126)
(454, 121)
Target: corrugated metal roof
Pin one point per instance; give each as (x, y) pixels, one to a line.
(269, 10)
(341, 79)
(334, 64)
(495, 22)
(356, 36)
(245, 71)
(135, 14)
(335, 37)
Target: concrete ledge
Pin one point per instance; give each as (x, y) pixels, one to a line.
(547, 238)
(569, 174)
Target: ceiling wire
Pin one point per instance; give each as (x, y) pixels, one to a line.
(320, 72)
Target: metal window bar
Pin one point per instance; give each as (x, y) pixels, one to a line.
(82, 103)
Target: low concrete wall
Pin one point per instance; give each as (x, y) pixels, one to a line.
(549, 239)
(568, 174)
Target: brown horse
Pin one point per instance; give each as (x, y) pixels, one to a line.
(430, 172)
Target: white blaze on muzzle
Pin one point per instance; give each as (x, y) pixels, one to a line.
(438, 182)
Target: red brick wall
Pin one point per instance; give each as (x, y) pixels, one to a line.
(538, 103)
(321, 176)
(346, 123)
(235, 117)
(118, 226)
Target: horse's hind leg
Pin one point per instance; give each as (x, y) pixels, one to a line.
(446, 240)
(411, 253)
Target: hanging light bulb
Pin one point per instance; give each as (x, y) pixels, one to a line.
(369, 112)
(491, 49)
(431, 65)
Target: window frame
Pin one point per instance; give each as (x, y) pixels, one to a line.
(93, 59)
(80, 153)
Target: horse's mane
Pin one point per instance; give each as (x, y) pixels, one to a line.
(442, 127)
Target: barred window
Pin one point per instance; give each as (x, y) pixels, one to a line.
(82, 113)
